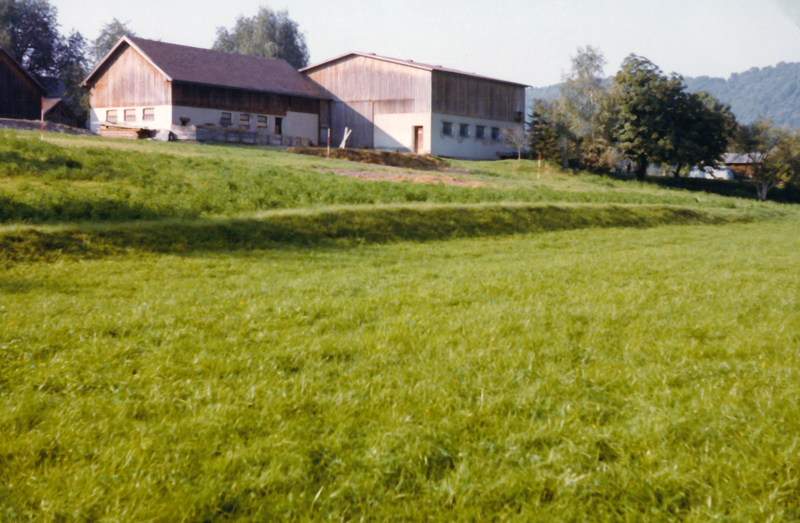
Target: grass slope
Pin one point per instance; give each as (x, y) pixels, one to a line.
(593, 375)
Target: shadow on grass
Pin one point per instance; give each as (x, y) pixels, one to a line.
(338, 228)
(744, 189)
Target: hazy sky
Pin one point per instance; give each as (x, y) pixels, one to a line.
(527, 41)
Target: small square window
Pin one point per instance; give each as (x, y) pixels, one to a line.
(244, 120)
(447, 128)
(463, 130)
(480, 132)
(225, 119)
(130, 115)
(495, 133)
(262, 121)
(148, 115)
(111, 116)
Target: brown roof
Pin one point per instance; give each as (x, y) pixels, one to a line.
(22, 70)
(181, 63)
(410, 63)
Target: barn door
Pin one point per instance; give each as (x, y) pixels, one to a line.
(356, 116)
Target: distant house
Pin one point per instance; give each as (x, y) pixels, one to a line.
(402, 105)
(742, 165)
(20, 94)
(144, 84)
(56, 110)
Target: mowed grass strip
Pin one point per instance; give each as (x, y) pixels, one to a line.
(77, 179)
(585, 375)
(345, 226)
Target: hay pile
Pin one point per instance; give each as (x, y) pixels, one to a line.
(390, 158)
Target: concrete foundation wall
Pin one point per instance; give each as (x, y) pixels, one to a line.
(395, 132)
(467, 148)
(302, 125)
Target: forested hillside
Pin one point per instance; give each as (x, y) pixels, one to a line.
(772, 91)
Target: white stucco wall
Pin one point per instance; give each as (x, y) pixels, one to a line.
(294, 124)
(395, 132)
(302, 124)
(470, 148)
(163, 117)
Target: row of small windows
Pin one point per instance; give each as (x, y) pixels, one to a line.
(148, 114)
(225, 120)
(463, 131)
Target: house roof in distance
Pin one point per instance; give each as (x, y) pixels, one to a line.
(21, 69)
(180, 63)
(410, 63)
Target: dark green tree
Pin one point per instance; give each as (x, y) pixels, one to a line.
(546, 131)
(268, 34)
(108, 38)
(73, 66)
(648, 113)
(29, 32)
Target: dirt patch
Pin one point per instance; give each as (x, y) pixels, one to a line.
(376, 176)
(36, 125)
(419, 162)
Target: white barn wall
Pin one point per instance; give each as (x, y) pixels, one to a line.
(395, 132)
(469, 148)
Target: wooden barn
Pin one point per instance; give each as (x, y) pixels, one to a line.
(20, 93)
(56, 110)
(144, 84)
(405, 106)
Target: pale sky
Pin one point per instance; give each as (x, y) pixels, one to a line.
(526, 41)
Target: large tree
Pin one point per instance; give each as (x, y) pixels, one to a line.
(774, 153)
(546, 131)
(657, 121)
(73, 66)
(269, 34)
(29, 32)
(108, 38)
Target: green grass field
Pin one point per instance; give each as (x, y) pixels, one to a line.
(573, 348)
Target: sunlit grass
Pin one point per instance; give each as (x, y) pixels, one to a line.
(603, 374)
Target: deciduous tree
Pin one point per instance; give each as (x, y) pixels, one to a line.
(29, 32)
(773, 152)
(515, 137)
(108, 38)
(269, 34)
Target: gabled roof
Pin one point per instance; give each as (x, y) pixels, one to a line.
(51, 104)
(22, 70)
(741, 159)
(180, 63)
(409, 63)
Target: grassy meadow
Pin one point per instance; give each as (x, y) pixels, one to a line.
(312, 347)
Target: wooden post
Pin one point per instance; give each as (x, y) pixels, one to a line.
(329, 143)
(539, 166)
(42, 136)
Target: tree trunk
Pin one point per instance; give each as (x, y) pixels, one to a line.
(641, 170)
(678, 175)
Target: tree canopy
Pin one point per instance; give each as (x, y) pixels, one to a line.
(109, 36)
(774, 153)
(268, 34)
(29, 32)
(657, 121)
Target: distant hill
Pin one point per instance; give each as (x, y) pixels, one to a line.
(772, 91)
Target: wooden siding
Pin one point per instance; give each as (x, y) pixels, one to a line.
(224, 98)
(363, 79)
(477, 97)
(19, 96)
(358, 117)
(127, 79)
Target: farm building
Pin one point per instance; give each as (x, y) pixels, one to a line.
(20, 93)
(402, 105)
(56, 110)
(200, 94)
